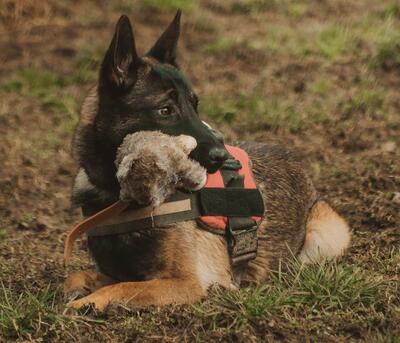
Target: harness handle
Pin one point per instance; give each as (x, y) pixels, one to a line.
(110, 211)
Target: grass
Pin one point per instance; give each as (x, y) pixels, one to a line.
(387, 55)
(30, 315)
(333, 41)
(324, 298)
(127, 6)
(392, 10)
(184, 5)
(46, 86)
(327, 42)
(329, 289)
(3, 234)
(297, 10)
(251, 6)
(370, 101)
(222, 45)
(253, 110)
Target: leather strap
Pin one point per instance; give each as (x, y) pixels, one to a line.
(173, 211)
(177, 209)
(89, 223)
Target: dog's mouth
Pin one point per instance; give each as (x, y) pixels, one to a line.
(213, 167)
(212, 159)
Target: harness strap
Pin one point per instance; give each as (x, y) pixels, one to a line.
(89, 223)
(241, 231)
(231, 202)
(180, 207)
(174, 210)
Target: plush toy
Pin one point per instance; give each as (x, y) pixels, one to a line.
(152, 166)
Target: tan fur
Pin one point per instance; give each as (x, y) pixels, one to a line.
(85, 282)
(195, 260)
(143, 293)
(327, 234)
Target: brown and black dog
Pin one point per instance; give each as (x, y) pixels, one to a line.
(178, 265)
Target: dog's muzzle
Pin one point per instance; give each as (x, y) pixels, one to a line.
(210, 158)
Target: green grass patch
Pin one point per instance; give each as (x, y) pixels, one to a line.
(321, 86)
(29, 315)
(333, 41)
(54, 93)
(327, 42)
(86, 66)
(392, 10)
(184, 5)
(255, 111)
(297, 9)
(48, 87)
(368, 100)
(254, 6)
(222, 45)
(387, 54)
(127, 6)
(234, 46)
(294, 9)
(286, 40)
(3, 234)
(313, 292)
(388, 262)
(34, 82)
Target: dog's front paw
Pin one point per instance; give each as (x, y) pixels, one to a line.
(96, 302)
(76, 293)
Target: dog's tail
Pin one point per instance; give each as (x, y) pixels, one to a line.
(327, 234)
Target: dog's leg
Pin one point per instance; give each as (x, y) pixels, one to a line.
(327, 235)
(80, 284)
(144, 293)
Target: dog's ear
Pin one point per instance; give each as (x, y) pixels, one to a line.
(164, 50)
(121, 60)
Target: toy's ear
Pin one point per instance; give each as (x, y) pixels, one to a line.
(121, 60)
(188, 143)
(164, 50)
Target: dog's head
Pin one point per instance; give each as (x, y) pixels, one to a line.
(151, 93)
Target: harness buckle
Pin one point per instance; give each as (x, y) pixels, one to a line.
(242, 244)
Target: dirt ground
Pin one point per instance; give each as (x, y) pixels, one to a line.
(320, 76)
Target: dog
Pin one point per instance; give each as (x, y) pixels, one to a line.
(178, 265)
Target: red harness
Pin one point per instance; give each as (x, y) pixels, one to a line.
(216, 181)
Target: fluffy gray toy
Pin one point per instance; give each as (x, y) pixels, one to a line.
(152, 166)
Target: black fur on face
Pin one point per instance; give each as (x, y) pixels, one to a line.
(148, 93)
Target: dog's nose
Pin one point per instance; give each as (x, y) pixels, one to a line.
(218, 155)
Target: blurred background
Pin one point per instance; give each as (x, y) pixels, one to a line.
(320, 76)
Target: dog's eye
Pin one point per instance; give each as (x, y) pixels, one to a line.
(165, 111)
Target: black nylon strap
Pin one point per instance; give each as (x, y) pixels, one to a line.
(232, 178)
(231, 202)
(241, 232)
